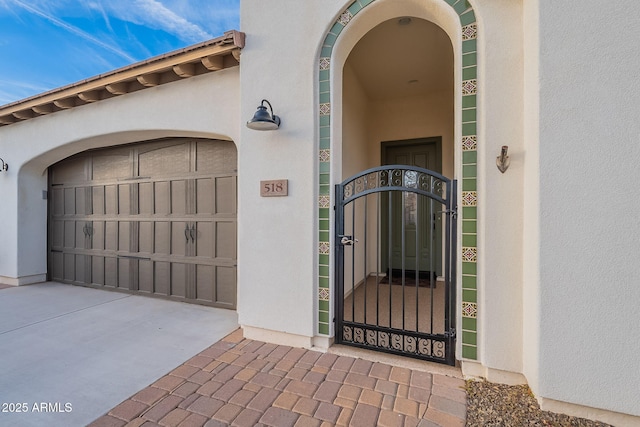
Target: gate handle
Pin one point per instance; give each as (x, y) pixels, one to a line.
(347, 240)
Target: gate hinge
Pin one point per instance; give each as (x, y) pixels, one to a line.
(451, 333)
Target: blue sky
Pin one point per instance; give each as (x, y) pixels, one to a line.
(45, 44)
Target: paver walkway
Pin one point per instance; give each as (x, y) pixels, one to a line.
(241, 382)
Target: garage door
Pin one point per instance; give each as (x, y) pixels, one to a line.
(154, 218)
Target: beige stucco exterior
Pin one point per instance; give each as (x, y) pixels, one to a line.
(556, 283)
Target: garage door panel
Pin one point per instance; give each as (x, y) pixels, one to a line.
(162, 198)
(162, 279)
(180, 238)
(178, 279)
(225, 285)
(145, 276)
(81, 229)
(57, 201)
(179, 197)
(69, 267)
(205, 239)
(204, 196)
(97, 270)
(162, 239)
(69, 234)
(69, 201)
(225, 195)
(124, 198)
(216, 157)
(111, 272)
(124, 268)
(57, 234)
(80, 268)
(124, 233)
(204, 282)
(164, 159)
(97, 200)
(111, 199)
(225, 240)
(145, 197)
(69, 171)
(97, 235)
(111, 166)
(145, 237)
(57, 266)
(111, 235)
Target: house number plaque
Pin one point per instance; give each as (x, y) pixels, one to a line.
(274, 188)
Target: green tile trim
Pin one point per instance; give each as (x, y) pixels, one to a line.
(469, 226)
(325, 179)
(324, 282)
(324, 226)
(470, 268)
(324, 237)
(469, 115)
(469, 101)
(469, 212)
(469, 129)
(469, 282)
(325, 143)
(336, 29)
(354, 8)
(324, 212)
(469, 157)
(323, 328)
(323, 317)
(469, 337)
(323, 259)
(469, 352)
(469, 240)
(467, 18)
(469, 295)
(470, 60)
(323, 305)
(469, 184)
(326, 51)
(469, 73)
(469, 171)
(469, 46)
(469, 324)
(325, 121)
(324, 75)
(330, 40)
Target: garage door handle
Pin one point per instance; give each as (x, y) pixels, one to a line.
(186, 232)
(192, 233)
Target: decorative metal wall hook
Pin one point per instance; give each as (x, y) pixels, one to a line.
(502, 161)
(4, 166)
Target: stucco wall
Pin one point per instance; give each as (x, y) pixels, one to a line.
(589, 225)
(204, 106)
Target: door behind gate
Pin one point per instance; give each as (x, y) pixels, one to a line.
(395, 262)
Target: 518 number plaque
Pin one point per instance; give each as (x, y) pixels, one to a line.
(274, 188)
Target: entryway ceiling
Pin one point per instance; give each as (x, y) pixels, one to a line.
(397, 59)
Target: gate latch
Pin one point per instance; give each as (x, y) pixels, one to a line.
(347, 240)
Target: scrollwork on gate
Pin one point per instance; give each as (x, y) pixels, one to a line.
(396, 178)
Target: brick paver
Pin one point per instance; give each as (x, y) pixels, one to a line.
(240, 382)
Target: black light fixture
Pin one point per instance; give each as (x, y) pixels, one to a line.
(4, 166)
(263, 120)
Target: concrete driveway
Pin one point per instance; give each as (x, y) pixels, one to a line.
(69, 354)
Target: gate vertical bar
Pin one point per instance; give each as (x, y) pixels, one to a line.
(339, 262)
(452, 231)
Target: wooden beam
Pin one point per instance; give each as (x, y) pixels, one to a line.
(42, 109)
(118, 88)
(24, 114)
(185, 70)
(90, 96)
(213, 63)
(149, 80)
(65, 103)
(7, 120)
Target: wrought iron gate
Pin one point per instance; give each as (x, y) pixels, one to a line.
(395, 262)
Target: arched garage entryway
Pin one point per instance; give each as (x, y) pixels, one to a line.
(156, 218)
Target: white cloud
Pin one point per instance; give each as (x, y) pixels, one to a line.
(156, 14)
(72, 29)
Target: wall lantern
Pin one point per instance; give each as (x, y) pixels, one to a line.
(4, 166)
(263, 120)
(502, 161)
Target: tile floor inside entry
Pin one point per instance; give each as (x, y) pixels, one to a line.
(241, 382)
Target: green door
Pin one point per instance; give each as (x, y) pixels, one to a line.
(411, 222)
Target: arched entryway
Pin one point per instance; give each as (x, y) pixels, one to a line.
(397, 83)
